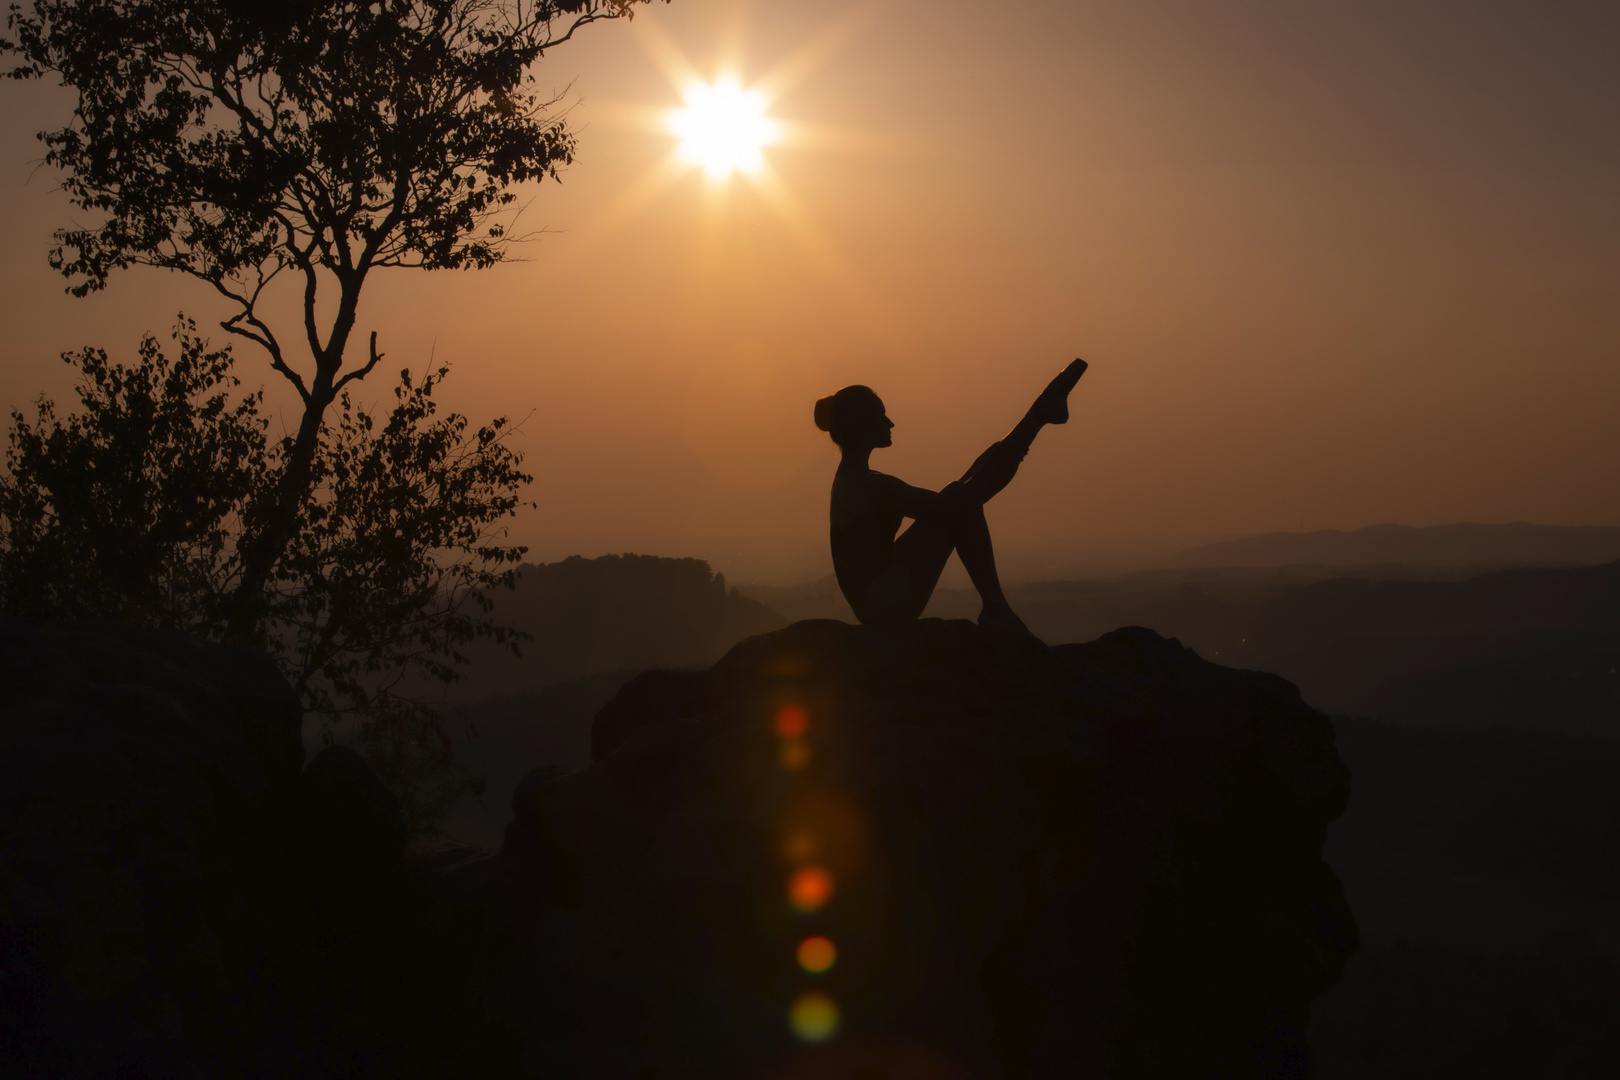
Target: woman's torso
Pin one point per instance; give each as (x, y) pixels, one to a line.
(865, 518)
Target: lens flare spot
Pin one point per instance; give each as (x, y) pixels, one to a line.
(817, 954)
(792, 722)
(791, 667)
(810, 888)
(795, 755)
(814, 1017)
(800, 846)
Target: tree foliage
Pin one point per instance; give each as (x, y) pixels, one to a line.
(243, 142)
(389, 569)
(407, 744)
(234, 140)
(133, 507)
(130, 508)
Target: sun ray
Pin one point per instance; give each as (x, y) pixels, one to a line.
(665, 53)
(622, 210)
(801, 225)
(852, 140)
(734, 37)
(794, 68)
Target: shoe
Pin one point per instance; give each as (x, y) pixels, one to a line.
(1053, 405)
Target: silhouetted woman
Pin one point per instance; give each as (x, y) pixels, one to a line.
(888, 579)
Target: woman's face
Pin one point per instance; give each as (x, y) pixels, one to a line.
(874, 426)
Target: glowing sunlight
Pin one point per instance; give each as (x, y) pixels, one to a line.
(723, 128)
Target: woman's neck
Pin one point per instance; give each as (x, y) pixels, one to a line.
(856, 457)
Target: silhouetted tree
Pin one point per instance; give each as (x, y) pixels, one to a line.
(134, 507)
(130, 508)
(391, 560)
(407, 744)
(238, 141)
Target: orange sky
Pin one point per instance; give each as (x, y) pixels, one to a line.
(1330, 268)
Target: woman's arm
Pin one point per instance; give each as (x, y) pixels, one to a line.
(914, 502)
(991, 471)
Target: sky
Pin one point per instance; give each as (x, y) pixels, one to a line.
(1332, 265)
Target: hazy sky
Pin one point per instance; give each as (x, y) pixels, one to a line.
(1333, 264)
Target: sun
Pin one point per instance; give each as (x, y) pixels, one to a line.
(723, 128)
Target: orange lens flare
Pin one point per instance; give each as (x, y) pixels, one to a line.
(814, 1017)
(792, 722)
(810, 888)
(800, 846)
(795, 755)
(817, 954)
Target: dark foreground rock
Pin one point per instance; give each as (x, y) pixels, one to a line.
(132, 768)
(177, 901)
(1097, 860)
(1090, 860)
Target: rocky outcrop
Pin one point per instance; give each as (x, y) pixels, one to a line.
(1093, 860)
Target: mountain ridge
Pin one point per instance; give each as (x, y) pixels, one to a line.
(1464, 544)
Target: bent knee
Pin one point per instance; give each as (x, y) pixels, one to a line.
(965, 509)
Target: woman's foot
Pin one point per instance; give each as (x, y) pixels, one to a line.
(1052, 407)
(999, 615)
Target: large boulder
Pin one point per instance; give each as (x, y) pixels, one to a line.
(1090, 860)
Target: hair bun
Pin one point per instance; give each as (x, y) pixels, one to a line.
(824, 412)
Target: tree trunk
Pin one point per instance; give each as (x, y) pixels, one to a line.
(274, 529)
(246, 607)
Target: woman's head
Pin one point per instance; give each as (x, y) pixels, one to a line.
(854, 417)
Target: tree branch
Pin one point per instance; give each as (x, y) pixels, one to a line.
(361, 373)
(260, 334)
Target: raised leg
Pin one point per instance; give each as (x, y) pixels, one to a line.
(995, 468)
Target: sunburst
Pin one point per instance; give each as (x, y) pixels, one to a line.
(723, 128)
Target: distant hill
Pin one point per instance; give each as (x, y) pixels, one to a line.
(614, 613)
(1533, 647)
(819, 599)
(1466, 545)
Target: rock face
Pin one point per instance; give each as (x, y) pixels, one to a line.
(1090, 860)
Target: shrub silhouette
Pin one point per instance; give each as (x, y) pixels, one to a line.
(138, 508)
